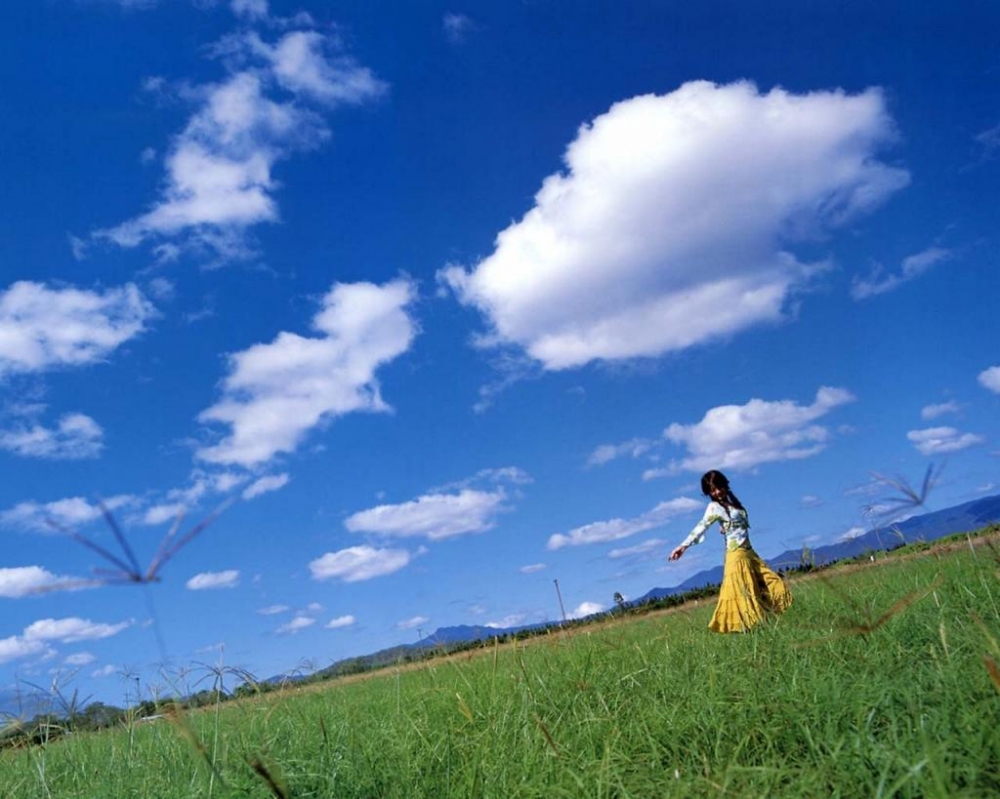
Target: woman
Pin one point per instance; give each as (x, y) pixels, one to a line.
(749, 588)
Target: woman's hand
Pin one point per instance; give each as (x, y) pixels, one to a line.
(675, 555)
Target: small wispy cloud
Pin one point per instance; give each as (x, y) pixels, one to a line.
(586, 609)
(211, 580)
(432, 516)
(104, 671)
(340, 622)
(454, 509)
(929, 412)
(273, 610)
(131, 5)
(263, 485)
(989, 141)
(615, 529)
(880, 281)
(162, 289)
(639, 549)
(606, 453)
(513, 620)
(942, 440)
(457, 27)
(532, 568)
(250, 9)
(297, 624)
(70, 512)
(412, 623)
(201, 485)
(355, 564)
(75, 437)
(17, 648)
(851, 534)
(72, 630)
(990, 379)
(510, 475)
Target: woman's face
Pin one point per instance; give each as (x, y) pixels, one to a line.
(717, 493)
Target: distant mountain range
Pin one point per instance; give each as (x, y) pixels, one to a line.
(927, 527)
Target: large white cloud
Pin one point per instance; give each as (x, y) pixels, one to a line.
(671, 223)
(434, 516)
(277, 392)
(45, 328)
(615, 529)
(355, 564)
(220, 167)
(743, 436)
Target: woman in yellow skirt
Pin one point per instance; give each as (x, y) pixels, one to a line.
(750, 589)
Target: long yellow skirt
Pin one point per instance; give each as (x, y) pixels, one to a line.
(749, 591)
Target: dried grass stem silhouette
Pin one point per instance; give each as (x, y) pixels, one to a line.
(906, 495)
(862, 620)
(127, 570)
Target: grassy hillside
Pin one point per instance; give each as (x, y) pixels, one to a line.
(881, 680)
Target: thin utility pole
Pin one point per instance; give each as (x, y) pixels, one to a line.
(561, 608)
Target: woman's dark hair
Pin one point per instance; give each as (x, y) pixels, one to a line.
(714, 479)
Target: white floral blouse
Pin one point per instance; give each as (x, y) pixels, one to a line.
(733, 521)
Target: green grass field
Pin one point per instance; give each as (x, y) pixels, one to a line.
(880, 681)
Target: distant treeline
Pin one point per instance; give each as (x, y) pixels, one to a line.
(95, 716)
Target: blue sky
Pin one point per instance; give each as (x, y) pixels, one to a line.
(455, 301)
